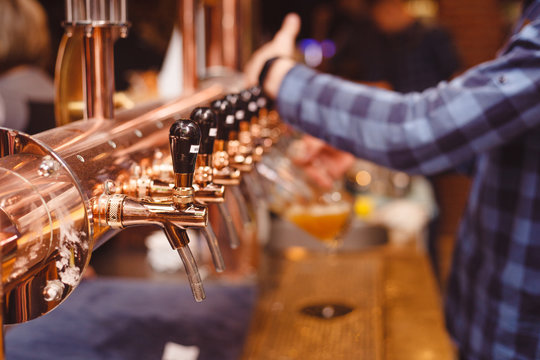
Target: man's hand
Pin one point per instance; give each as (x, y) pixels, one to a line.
(282, 45)
(321, 162)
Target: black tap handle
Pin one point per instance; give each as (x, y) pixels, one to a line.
(255, 91)
(249, 101)
(225, 118)
(237, 108)
(206, 119)
(184, 138)
(262, 101)
(241, 113)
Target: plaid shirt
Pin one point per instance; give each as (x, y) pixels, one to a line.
(491, 114)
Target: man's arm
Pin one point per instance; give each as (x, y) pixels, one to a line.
(427, 132)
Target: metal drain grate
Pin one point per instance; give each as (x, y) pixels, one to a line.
(281, 329)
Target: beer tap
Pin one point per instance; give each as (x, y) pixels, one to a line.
(264, 130)
(226, 143)
(206, 191)
(250, 142)
(239, 139)
(224, 174)
(173, 216)
(251, 136)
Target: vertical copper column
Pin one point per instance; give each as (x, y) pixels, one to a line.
(230, 34)
(214, 28)
(99, 73)
(91, 28)
(187, 14)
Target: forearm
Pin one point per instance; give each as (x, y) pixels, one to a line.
(423, 133)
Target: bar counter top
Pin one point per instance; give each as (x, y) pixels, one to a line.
(387, 297)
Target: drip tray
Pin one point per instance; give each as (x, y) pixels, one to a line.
(316, 306)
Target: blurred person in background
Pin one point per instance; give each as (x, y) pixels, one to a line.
(382, 42)
(490, 114)
(390, 45)
(26, 89)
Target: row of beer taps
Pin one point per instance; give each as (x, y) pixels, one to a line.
(209, 153)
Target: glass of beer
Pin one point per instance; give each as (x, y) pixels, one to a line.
(325, 219)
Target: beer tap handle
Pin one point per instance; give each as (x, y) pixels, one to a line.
(184, 138)
(239, 114)
(249, 102)
(260, 99)
(206, 119)
(256, 91)
(242, 113)
(225, 119)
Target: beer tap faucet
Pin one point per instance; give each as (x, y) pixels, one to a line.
(226, 143)
(263, 130)
(250, 130)
(206, 191)
(173, 216)
(224, 174)
(239, 138)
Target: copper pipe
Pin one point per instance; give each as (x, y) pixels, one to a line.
(55, 175)
(99, 73)
(230, 34)
(187, 16)
(214, 31)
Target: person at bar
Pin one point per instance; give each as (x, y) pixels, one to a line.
(27, 90)
(489, 114)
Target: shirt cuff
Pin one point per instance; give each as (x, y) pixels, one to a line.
(291, 91)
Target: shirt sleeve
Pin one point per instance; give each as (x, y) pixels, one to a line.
(427, 132)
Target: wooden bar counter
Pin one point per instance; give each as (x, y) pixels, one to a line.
(377, 303)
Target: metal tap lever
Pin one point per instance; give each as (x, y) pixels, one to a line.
(184, 139)
(224, 174)
(119, 211)
(251, 135)
(225, 119)
(249, 102)
(206, 119)
(240, 138)
(209, 193)
(212, 193)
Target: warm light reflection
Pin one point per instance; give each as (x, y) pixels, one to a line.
(363, 178)
(296, 253)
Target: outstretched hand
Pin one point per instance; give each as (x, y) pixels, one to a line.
(321, 162)
(283, 46)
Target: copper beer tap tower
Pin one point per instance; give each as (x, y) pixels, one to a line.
(66, 191)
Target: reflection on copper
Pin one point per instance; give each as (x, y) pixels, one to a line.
(89, 153)
(68, 79)
(95, 127)
(188, 12)
(171, 108)
(230, 34)
(99, 73)
(214, 31)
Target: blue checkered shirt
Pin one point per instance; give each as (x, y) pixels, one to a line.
(490, 114)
